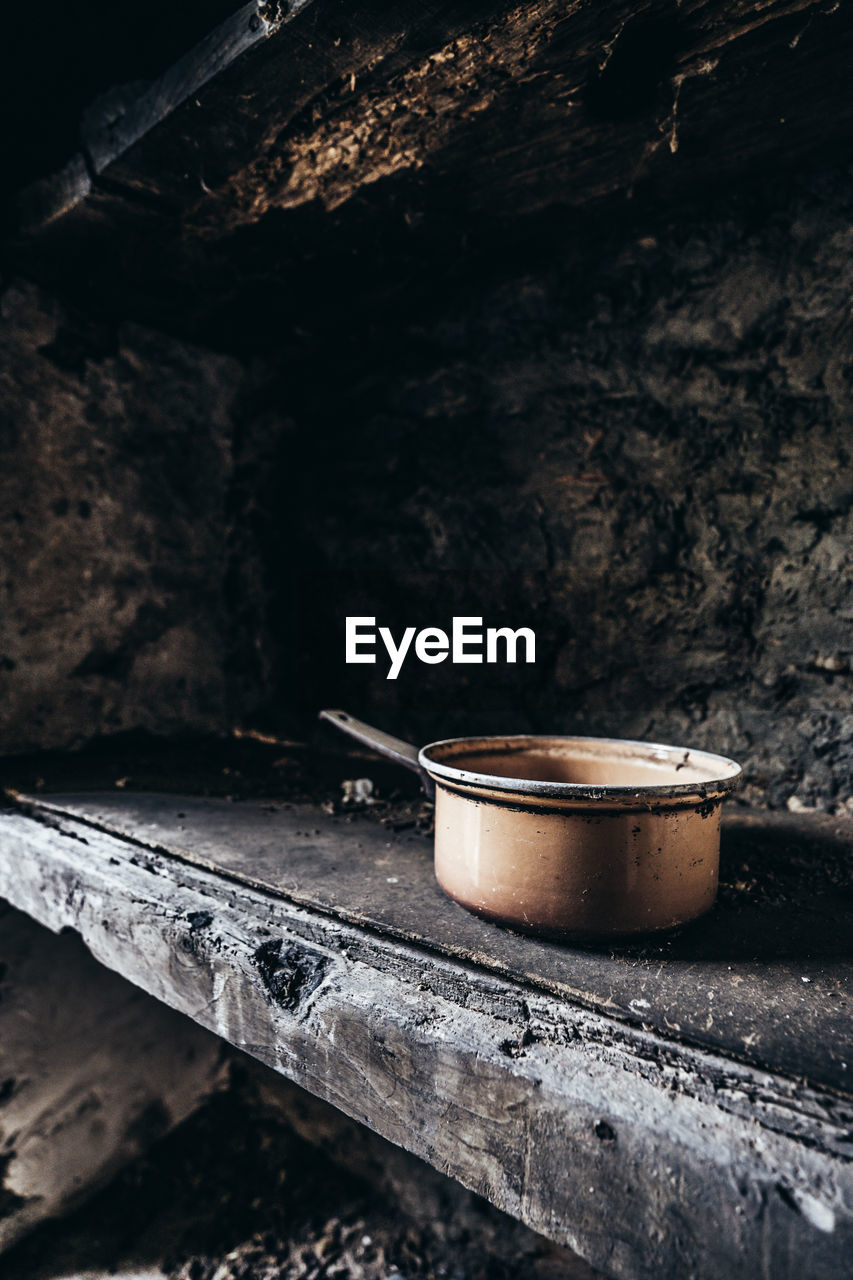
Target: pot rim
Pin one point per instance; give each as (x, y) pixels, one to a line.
(729, 771)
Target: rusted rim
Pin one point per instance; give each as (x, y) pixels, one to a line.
(723, 775)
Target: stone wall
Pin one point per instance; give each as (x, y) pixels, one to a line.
(635, 440)
(115, 458)
(640, 446)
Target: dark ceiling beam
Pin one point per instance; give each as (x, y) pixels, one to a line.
(320, 125)
(124, 113)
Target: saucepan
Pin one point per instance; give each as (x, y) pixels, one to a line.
(570, 837)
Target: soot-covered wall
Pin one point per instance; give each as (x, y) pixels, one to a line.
(115, 463)
(637, 443)
(641, 448)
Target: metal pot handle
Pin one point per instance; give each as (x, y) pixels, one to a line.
(394, 748)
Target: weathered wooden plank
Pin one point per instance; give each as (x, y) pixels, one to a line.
(618, 91)
(645, 1156)
(481, 114)
(514, 108)
(765, 977)
(91, 1072)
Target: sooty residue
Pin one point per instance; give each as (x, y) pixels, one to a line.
(290, 971)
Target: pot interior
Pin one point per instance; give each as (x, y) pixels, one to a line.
(580, 762)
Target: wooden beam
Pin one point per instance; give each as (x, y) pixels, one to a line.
(472, 115)
(645, 1155)
(777, 941)
(120, 117)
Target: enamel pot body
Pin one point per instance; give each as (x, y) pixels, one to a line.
(576, 837)
(631, 847)
(575, 869)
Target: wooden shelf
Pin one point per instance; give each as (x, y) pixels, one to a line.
(678, 1108)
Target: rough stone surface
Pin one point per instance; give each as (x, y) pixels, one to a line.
(115, 457)
(639, 446)
(633, 438)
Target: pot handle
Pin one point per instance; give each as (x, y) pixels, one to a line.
(394, 748)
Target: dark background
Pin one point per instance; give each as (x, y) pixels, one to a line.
(629, 430)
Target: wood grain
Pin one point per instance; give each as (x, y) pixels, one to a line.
(763, 978)
(645, 1155)
(487, 116)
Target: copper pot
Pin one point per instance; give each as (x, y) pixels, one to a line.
(579, 837)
